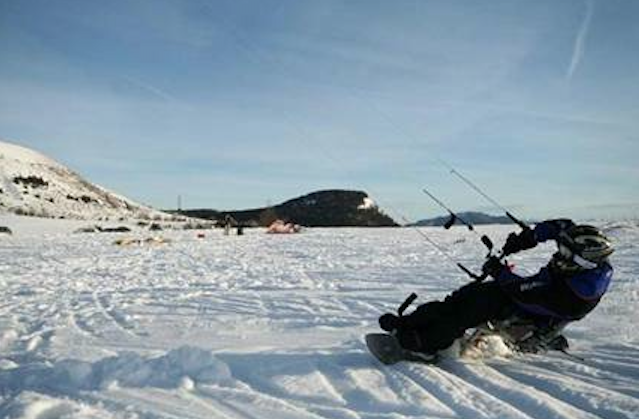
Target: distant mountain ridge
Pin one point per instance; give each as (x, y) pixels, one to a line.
(34, 184)
(327, 208)
(474, 218)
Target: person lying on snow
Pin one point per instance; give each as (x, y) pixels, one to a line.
(565, 290)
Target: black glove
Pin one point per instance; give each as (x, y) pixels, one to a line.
(518, 242)
(389, 322)
(493, 266)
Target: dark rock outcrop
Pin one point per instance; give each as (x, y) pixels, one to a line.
(329, 208)
(33, 181)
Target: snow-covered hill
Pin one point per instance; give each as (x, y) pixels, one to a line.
(265, 326)
(33, 184)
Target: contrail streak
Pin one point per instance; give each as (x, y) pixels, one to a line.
(580, 41)
(151, 89)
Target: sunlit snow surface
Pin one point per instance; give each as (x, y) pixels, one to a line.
(271, 326)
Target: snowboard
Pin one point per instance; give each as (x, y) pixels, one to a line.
(387, 350)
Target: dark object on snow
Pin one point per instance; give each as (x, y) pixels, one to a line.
(155, 227)
(98, 229)
(5, 230)
(91, 229)
(121, 229)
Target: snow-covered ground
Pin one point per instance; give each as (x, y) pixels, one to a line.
(271, 326)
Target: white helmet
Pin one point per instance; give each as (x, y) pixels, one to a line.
(582, 247)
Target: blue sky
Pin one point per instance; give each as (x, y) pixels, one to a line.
(238, 104)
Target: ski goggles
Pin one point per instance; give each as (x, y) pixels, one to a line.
(568, 254)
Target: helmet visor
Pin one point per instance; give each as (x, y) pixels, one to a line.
(584, 263)
(569, 255)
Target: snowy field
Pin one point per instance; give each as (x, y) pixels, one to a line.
(271, 326)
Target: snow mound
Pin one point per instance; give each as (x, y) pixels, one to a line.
(180, 368)
(31, 405)
(175, 369)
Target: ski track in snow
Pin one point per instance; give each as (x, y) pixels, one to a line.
(272, 326)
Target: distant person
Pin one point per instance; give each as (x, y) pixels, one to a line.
(568, 288)
(228, 223)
